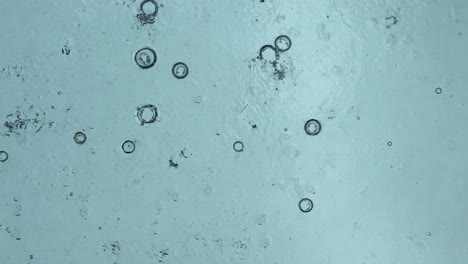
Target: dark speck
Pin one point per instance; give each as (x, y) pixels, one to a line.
(392, 20)
(66, 50)
(173, 164)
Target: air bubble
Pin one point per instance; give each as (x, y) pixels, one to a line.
(3, 156)
(145, 58)
(180, 70)
(263, 53)
(79, 138)
(128, 147)
(149, 7)
(312, 127)
(238, 146)
(438, 90)
(389, 143)
(283, 43)
(147, 114)
(306, 205)
(149, 10)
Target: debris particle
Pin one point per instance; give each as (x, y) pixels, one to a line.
(173, 164)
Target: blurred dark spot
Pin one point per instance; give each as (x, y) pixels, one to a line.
(66, 50)
(392, 20)
(173, 164)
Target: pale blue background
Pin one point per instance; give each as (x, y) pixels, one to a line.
(367, 84)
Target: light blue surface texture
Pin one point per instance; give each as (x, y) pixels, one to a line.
(388, 172)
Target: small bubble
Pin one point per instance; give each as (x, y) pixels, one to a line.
(149, 10)
(438, 90)
(128, 146)
(80, 138)
(3, 156)
(283, 43)
(306, 205)
(265, 51)
(389, 143)
(180, 70)
(312, 127)
(145, 58)
(146, 114)
(148, 6)
(238, 146)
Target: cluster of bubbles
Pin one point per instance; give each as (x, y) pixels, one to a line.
(145, 114)
(282, 43)
(146, 57)
(312, 127)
